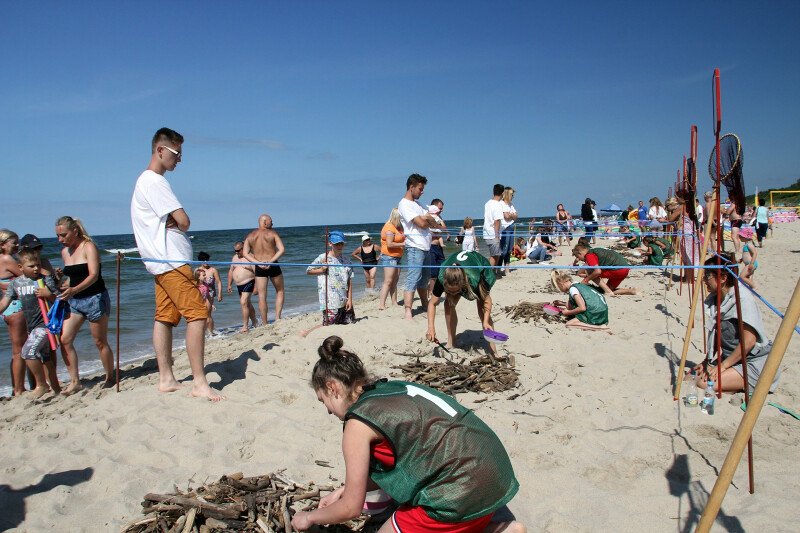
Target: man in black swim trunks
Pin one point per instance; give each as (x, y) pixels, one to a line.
(245, 279)
(264, 245)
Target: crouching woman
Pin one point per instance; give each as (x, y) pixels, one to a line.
(442, 464)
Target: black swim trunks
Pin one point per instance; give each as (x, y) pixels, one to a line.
(736, 223)
(272, 271)
(246, 287)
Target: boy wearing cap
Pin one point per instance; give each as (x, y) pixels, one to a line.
(334, 282)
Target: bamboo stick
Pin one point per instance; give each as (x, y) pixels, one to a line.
(774, 359)
(697, 286)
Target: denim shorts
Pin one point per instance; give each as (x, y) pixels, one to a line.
(389, 261)
(417, 275)
(92, 308)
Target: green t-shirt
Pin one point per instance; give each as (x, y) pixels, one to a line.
(447, 460)
(596, 312)
(608, 257)
(481, 273)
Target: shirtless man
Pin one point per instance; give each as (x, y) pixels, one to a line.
(264, 245)
(245, 278)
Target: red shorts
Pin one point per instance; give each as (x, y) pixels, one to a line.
(614, 276)
(415, 520)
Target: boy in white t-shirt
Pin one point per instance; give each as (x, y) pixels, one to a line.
(159, 225)
(492, 215)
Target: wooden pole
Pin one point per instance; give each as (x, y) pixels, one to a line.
(697, 285)
(757, 401)
(327, 270)
(119, 263)
(751, 476)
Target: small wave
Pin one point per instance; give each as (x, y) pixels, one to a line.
(122, 250)
(356, 233)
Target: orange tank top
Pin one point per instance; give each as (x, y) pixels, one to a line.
(398, 237)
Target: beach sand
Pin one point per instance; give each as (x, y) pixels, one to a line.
(597, 442)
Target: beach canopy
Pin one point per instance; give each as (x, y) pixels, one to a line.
(613, 208)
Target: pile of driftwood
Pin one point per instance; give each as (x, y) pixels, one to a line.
(263, 504)
(479, 375)
(528, 310)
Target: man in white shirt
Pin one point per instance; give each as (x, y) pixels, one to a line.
(492, 215)
(159, 225)
(417, 222)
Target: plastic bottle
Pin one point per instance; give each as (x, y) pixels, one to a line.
(707, 405)
(691, 389)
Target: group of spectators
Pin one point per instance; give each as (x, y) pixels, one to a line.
(31, 284)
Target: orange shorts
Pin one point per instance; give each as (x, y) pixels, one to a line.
(415, 520)
(177, 296)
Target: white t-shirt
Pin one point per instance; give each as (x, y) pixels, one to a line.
(573, 291)
(656, 212)
(416, 237)
(699, 210)
(152, 201)
(506, 209)
(492, 211)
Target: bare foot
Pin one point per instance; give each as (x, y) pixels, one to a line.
(38, 392)
(381, 308)
(169, 386)
(109, 384)
(244, 330)
(409, 316)
(72, 388)
(207, 392)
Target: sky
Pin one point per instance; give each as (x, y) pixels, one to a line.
(317, 112)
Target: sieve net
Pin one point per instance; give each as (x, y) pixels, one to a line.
(730, 168)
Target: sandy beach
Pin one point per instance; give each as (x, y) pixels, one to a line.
(597, 442)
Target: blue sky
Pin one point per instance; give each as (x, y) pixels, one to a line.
(316, 112)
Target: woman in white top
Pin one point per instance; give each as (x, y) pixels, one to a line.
(657, 216)
(507, 227)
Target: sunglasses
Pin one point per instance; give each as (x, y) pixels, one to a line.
(174, 152)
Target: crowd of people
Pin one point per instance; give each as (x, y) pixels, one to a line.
(415, 237)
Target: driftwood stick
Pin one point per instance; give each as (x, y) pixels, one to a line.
(263, 525)
(287, 521)
(177, 527)
(139, 523)
(190, 516)
(306, 495)
(162, 508)
(228, 511)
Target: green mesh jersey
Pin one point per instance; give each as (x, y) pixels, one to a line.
(475, 276)
(447, 460)
(596, 312)
(608, 257)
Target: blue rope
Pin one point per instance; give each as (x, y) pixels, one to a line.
(496, 267)
(796, 328)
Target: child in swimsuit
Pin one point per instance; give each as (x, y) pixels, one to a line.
(210, 286)
(749, 256)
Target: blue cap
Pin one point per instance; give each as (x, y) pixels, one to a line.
(335, 237)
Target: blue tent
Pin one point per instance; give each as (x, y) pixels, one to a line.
(613, 208)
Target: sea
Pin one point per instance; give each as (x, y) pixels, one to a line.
(136, 292)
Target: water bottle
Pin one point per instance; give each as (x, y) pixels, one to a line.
(707, 406)
(691, 389)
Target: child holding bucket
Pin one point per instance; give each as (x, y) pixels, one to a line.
(586, 308)
(36, 351)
